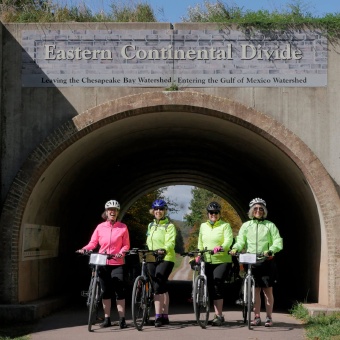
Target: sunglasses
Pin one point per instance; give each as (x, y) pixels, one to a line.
(214, 212)
(258, 209)
(161, 208)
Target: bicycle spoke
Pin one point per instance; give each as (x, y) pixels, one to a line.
(249, 301)
(139, 307)
(245, 305)
(94, 303)
(201, 301)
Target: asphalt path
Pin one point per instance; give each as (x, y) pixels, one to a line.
(71, 323)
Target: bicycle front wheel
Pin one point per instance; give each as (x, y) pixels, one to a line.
(94, 300)
(201, 301)
(249, 300)
(139, 307)
(244, 301)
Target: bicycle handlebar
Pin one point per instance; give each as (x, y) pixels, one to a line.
(134, 251)
(259, 255)
(89, 252)
(194, 253)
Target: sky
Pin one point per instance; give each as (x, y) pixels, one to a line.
(181, 194)
(173, 11)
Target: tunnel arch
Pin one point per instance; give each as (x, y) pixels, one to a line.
(141, 142)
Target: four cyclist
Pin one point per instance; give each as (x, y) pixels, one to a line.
(258, 235)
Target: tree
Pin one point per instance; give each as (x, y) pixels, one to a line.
(138, 216)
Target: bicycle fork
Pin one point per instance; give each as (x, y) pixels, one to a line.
(249, 280)
(205, 286)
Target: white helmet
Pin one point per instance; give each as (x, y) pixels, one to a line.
(257, 201)
(112, 204)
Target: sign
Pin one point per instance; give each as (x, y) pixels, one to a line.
(161, 58)
(40, 242)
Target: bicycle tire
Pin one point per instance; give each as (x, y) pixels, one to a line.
(94, 302)
(249, 300)
(244, 300)
(140, 309)
(88, 300)
(149, 301)
(201, 301)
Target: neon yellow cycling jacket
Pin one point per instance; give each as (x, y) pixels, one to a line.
(162, 235)
(214, 235)
(257, 236)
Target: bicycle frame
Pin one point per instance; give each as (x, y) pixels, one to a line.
(200, 294)
(142, 292)
(249, 285)
(94, 294)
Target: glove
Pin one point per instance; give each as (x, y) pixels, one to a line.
(268, 253)
(194, 262)
(233, 252)
(217, 249)
(161, 251)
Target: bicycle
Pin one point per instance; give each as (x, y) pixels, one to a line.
(248, 286)
(142, 292)
(94, 294)
(200, 294)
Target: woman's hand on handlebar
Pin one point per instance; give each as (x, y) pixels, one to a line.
(218, 249)
(161, 251)
(81, 251)
(268, 253)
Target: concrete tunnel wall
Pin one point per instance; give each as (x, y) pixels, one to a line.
(124, 148)
(54, 146)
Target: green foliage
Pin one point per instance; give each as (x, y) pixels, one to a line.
(55, 11)
(322, 326)
(172, 87)
(299, 312)
(296, 16)
(132, 12)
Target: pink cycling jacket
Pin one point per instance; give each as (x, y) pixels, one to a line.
(113, 239)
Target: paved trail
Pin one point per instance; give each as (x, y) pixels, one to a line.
(184, 271)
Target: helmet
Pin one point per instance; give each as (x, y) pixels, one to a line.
(159, 204)
(213, 206)
(112, 204)
(257, 201)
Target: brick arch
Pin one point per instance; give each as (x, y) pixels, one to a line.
(118, 109)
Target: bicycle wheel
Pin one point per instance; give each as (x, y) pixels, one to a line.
(249, 300)
(244, 301)
(139, 305)
(201, 301)
(94, 302)
(88, 300)
(149, 300)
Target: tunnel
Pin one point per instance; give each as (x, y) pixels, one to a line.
(125, 148)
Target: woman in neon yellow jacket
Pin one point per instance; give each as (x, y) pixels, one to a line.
(216, 235)
(161, 236)
(260, 236)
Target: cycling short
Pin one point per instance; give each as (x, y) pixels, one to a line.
(112, 282)
(265, 274)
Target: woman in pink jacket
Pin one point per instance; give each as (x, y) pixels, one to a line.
(113, 238)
